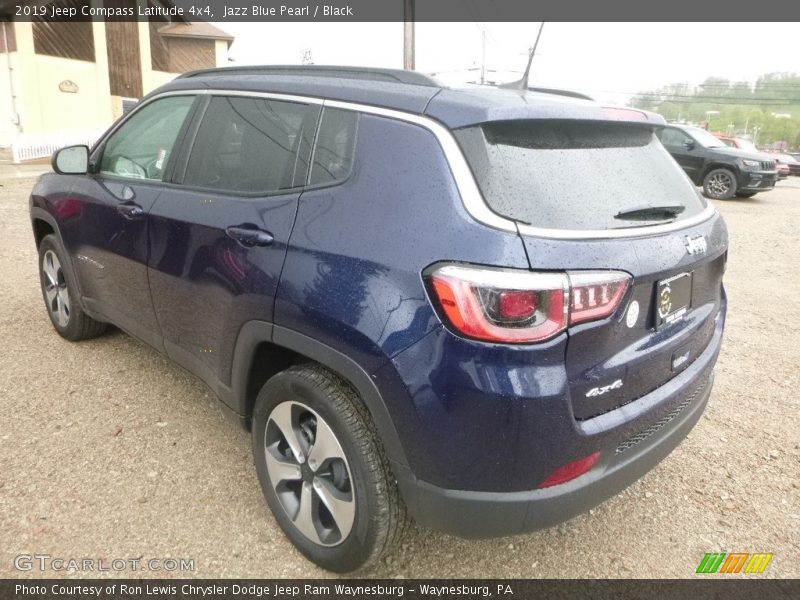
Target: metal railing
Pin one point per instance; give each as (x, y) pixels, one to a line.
(30, 146)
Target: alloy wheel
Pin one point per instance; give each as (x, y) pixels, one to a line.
(719, 184)
(309, 473)
(55, 289)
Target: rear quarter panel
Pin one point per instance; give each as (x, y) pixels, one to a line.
(352, 277)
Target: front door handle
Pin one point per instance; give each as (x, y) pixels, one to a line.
(250, 237)
(129, 210)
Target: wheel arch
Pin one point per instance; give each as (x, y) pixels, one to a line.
(44, 224)
(263, 350)
(719, 165)
(41, 228)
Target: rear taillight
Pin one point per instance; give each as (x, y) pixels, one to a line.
(595, 294)
(507, 305)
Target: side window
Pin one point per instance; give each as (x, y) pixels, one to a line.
(333, 154)
(673, 138)
(249, 145)
(141, 147)
(665, 135)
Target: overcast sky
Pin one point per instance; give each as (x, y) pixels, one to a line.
(610, 61)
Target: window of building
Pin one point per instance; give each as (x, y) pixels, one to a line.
(68, 39)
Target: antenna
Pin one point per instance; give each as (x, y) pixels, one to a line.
(522, 84)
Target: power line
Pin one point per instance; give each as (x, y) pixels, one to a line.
(703, 99)
(717, 103)
(712, 102)
(671, 94)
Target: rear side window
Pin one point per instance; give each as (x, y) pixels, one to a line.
(575, 174)
(333, 154)
(249, 145)
(142, 146)
(673, 137)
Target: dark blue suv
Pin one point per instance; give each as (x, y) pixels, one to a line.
(486, 309)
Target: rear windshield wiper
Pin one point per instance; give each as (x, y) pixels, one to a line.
(650, 213)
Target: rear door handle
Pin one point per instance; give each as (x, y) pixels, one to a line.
(250, 237)
(129, 210)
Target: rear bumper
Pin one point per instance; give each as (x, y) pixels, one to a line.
(481, 514)
(486, 514)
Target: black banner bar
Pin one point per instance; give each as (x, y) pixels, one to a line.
(392, 10)
(713, 587)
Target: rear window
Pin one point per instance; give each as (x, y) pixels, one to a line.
(575, 174)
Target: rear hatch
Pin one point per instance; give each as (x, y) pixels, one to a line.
(602, 195)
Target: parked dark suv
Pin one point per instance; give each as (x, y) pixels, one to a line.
(487, 309)
(724, 172)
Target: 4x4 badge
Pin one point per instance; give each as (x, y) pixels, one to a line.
(599, 391)
(696, 244)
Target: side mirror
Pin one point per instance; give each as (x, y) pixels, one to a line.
(689, 145)
(72, 160)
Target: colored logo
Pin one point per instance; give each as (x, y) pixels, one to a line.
(734, 562)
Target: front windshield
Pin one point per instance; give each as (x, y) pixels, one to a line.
(705, 139)
(747, 145)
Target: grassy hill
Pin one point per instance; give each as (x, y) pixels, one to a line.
(767, 111)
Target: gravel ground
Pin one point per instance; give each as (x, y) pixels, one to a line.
(109, 451)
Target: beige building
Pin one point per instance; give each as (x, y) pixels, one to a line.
(65, 83)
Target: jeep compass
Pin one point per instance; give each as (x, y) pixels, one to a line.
(485, 309)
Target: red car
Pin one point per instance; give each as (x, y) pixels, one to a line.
(782, 162)
(737, 142)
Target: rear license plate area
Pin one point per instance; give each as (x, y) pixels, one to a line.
(673, 298)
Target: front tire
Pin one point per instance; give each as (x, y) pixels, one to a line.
(60, 294)
(720, 184)
(323, 470)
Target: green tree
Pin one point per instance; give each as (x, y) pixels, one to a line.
(770, 107)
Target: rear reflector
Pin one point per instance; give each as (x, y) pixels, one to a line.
(508, 305)
(570, 471)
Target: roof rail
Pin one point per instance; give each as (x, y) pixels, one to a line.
(569, 93)
(373, 74)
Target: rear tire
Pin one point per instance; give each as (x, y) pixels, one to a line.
(315, 445)
(61, 296)
(720, 184)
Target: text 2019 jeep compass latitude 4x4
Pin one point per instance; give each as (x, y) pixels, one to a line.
(489, 309)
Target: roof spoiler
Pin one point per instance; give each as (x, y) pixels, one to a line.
(559, 92)
(373, 74)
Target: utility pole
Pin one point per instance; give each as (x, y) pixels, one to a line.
(483, 56)
(408, 34)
